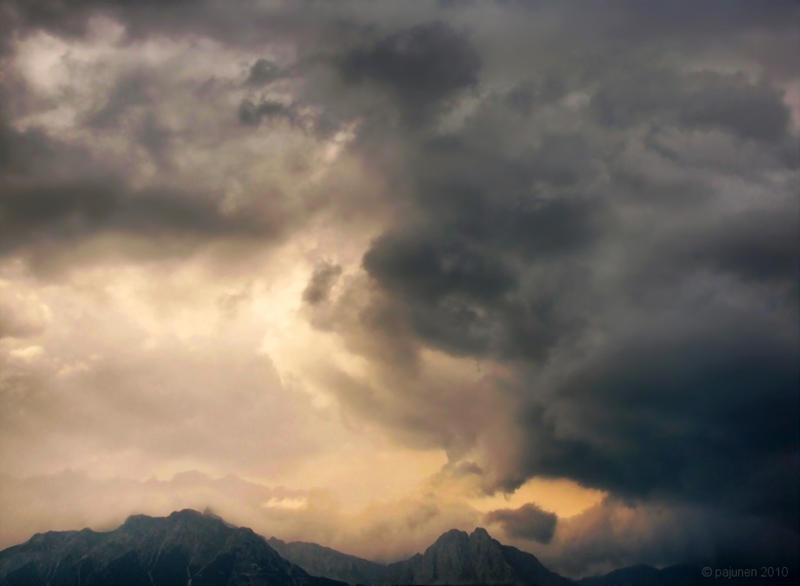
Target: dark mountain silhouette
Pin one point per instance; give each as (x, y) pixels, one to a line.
(185, 548)
(635, 575)
(460, 558)
(691, 575)
(188, 548)
(324, 561)
(455, 558)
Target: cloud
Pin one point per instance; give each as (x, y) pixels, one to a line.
(323, 279)
(637, 418)
(527, 522)
(755, 245)
(96, 181)
(702, 101)
(264, 72)
(72, 210)
(130, 90)
(615, 534)
(251, 114)
(75, 500)
(419, 66)
(21, 315)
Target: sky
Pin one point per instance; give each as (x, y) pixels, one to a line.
(361, 272)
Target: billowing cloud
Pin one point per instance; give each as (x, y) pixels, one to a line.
(418, 66)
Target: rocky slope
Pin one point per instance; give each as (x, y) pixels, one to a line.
(185, 548)
(191, 549)
(324, 561)
(455, 558)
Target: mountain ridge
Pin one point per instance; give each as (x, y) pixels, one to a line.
(185, 547)
(521, 563)
(456, 557)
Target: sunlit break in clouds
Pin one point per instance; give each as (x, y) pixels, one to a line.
(357, 273)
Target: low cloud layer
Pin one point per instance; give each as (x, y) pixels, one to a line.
(470, 245)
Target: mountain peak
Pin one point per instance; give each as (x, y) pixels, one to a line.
(191, 515)
(480, 534)
(186, 513)
(134, 521)
(451, 536)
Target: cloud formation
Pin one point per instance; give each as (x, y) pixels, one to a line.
(527, 522)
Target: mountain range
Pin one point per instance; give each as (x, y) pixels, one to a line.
(455, 558)
(188, 548)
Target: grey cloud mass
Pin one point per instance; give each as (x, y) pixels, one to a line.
(419, 66)
(560, 242)
(527, 522)
(264, 72)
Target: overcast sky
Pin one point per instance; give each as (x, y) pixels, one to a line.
(361, 272)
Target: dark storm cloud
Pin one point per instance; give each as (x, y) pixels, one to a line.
(137, 92)
(70, 18)
(133, 89)
(479, 191)
(676, 413)
(51, 196)
(428, 269)
(75, 210)
(527, 522)
(267, 111)
(529, 93)
(714, 17)
(612, 534)
(309, 24)
(754, 245)
(155, 138)
(21, 152)
(478, 200)
(264, 72)
(458, 297)
(461, 266)
(419, 66)
(701, 101)
(251, 114)
(526, 239)
(672, 412)
(447, 287)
